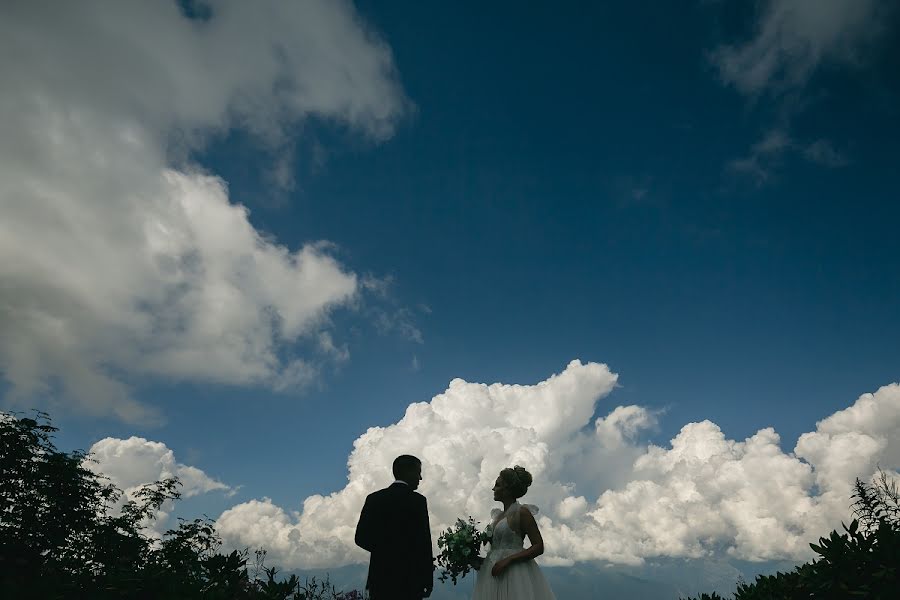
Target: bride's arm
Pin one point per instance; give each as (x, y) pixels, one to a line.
(530, 528)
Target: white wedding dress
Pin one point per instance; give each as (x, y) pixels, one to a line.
(522, 580)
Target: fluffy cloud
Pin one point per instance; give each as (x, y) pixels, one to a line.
(464, 436)
(793, 37)
(120, 259)
(603, 494)
(707, 494)
(137, 461)
(854, 441)
(132, 463)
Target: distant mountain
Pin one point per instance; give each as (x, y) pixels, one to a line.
(667, 579)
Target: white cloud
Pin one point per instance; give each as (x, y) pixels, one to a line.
(464, 436)
(603, 494)
(854, 440)
(707, 494)
(134, 462)
(622, 425)
(120, 259)
(793, 37)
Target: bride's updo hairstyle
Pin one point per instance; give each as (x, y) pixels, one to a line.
(517, 480)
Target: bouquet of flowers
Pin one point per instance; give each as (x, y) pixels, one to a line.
(459, 549)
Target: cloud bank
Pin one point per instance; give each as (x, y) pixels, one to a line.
(121, 260)
(604, 495)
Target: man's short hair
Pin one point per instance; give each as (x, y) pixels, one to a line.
(404, 464)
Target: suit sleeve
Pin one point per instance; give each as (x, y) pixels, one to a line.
(365, 534)
(427, 558)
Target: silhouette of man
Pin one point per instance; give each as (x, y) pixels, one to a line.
(394, 528)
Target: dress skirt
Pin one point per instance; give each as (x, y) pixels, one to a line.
(522, 580)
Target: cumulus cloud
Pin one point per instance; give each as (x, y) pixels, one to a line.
(793, 37)
(854, 440)
(134, 462)
(707, 494)
(604, 494)
(121, 260)
(464, 436)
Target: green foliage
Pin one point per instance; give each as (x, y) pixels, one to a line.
(861, 562)
(65, 533)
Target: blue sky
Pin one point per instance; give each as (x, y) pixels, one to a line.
(562, 191)
(619, 184)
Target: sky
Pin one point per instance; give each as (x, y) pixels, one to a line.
(648, 252)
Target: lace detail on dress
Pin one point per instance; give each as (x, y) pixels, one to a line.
(506, 529)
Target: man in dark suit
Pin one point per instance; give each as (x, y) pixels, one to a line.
(394, 527)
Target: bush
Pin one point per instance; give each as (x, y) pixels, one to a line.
(61, 538)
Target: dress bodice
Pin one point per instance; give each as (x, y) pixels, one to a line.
(506, 532)
(504, 537)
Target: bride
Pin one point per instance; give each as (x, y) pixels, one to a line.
(509, 571)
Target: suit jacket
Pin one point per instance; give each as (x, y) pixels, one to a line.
(394, 528)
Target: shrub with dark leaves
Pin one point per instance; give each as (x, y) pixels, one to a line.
(65, 532)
